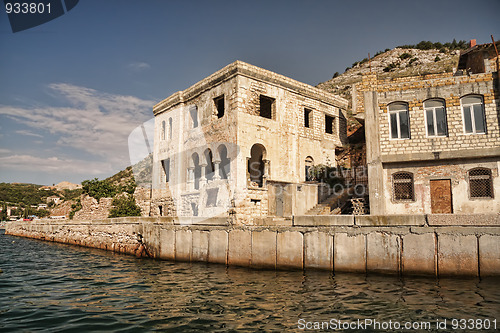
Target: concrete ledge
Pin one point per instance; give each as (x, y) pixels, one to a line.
(322, 220)
(444, 155)
(349, 253)
(199, 220)
(463, 219)
(389, 220)
(457, 255)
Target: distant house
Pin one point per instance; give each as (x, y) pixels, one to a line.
(433, 141)
(55, 199)
(42, 206)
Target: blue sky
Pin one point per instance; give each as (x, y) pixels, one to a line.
(73, 89)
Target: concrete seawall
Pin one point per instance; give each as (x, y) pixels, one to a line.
(435, 245)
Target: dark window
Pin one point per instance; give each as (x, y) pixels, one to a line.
(166, 169)
(170, 128)
(219, 104)
(329, 124)
(266, 107)
(163, 130)
(399, 120)
(480, 183)
(402, 184)
(307, 117)
(194, 116)
(212, 197)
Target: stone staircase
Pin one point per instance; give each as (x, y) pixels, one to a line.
(333, 204)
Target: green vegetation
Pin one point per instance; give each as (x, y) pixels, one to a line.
(25, 194)
(124, 206)
(437, 59)
(327, 174)
(390, 67)
(108, 188)
(405, 55)
(75, 207)
(72, 194)
(427, 45)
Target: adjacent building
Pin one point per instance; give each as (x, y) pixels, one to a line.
(433, 141)
(240, 143)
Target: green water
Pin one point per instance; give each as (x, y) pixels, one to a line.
(59, 288)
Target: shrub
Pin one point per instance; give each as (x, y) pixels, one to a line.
(98, 188)
(335, 75)
(404, 56)
(124, 206)
(74, 208)
(437, 59)
(390, 67)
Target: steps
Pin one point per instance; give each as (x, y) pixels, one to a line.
(333, 204)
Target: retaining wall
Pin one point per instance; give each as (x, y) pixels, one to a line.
(436, 245)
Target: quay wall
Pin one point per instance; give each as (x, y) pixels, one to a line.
(435, 245)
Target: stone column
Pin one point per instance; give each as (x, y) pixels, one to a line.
(266, 172)
(216, 170)
(203, 178)
(190, 178)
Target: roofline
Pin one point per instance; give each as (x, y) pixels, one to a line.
(244, 69)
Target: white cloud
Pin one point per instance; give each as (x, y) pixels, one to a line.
(4, 151)
(139, 66)
(28, 133)
(54, 165)
(94, 122)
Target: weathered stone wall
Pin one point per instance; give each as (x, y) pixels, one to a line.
(93, 209)
(435, 245)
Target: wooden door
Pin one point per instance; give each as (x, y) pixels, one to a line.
(441, 200)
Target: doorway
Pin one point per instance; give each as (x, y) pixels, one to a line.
(441, 199)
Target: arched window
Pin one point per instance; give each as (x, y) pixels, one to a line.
(435, 117)
(170, 128)
(163, 130)
(480, 183)
(256, 166)
(309, 164)
(399, 120)
(473, 114)
(209, 169)
(225, 165)
(402, 185)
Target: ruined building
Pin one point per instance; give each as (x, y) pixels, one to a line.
(433, 141)
(240, 142)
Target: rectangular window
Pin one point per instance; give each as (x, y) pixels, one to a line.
(219, 105)
(212, 197)
(194, 116)
(329, 124)
(480, 183)
(166, 169)
(307, 117)
(399, 120)
(266, 107)
(402, 183)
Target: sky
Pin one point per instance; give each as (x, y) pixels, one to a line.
(72, 90)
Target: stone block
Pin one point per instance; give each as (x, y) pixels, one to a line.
(489, 255)
(349, 253)
(240, 248)
(167, 244)
(419, 254)
(382, 253)
(264, 249)
(323, 220)
(183, 245)
(457, 255)
(290, 250)
(389, 220)
(200, 246)
(464, 219)
(217, 246)
(318, 250)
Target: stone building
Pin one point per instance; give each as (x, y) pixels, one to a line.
(239, 143)
(433, 141)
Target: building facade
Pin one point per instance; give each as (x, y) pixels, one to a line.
(239, 142)
(433, 141)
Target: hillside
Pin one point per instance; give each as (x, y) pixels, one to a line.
(406, 60)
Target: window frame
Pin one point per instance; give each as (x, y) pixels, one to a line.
(332, 123)
(272, 104)
(411, 181)
(308, 117)
(398, 121)
(473, 121)
(216, 104)
(434, 117)
(490, 180)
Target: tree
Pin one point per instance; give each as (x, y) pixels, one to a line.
(124, 206)
(98, 188)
